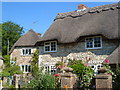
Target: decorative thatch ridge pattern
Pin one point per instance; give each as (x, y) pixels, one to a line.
(29, 39)
(97, 9)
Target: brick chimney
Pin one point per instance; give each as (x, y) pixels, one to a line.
(81, 7)
(39, 35)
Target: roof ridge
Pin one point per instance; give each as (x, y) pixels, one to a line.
(88, 10)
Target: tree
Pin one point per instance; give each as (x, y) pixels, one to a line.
(9, 69)
(34, 63)
(39, 80)
(11, 32)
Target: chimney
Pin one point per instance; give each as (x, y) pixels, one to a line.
(39, 35)
(81, 7)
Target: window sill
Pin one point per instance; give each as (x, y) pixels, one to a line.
(26, 55)
(50, 51)
(94, 48)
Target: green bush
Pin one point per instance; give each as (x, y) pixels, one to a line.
(42, 81)
(84, 73)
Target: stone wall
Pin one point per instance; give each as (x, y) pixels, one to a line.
(20, 59)
(78, 51)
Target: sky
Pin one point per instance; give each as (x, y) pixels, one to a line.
(39, 15)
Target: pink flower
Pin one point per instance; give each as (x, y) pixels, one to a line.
(56, 75)
(86, 65)
(109, 73)
(107, 61)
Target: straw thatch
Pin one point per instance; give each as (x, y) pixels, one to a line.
(71, 26)
(29, 39)
(68, 27)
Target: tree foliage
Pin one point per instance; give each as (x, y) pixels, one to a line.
(9, 69)
(34, 63)
(42, 81)
(11, 32)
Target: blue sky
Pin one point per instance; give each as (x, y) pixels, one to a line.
(39, 15)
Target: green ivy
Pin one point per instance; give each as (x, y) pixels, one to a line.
(34, 63)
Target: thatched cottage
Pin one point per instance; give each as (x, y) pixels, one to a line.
(21, 52)
(88, 34)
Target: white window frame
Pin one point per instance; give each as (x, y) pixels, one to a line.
(24, 71)
(93, 42)
(25, 50)
(51, 67)
(50, 46)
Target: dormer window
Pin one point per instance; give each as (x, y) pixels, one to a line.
(93, 42)
(50, 46)
(26, 51)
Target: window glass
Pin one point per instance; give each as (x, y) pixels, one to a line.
(94, 42)
(29, 68)
(47, 48)
(22, 67)
(26, 68)
(26, 51)
(50, 46)
(29, 51)
(50, 69)
(53, 46)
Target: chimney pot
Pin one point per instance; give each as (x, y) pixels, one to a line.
(81, 7)
(39, 35)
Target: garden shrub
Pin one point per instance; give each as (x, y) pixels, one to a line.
(84, 72)
(42, 81)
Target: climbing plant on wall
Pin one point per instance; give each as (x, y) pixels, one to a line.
(34, 63)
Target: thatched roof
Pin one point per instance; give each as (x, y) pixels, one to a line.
(68, 27)
(114, 58)
(29, 39)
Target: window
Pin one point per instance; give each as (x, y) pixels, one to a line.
(93, 43)
(26, 51)
(50, 69)
(26, 68)
(50, 46)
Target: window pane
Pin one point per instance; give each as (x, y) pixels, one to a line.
(29, 68)
(29, 51)
(23, 68)
(53, 46)
(47, 48)
(97, 42)
(26, 51)
(47, 43)
(23, 51)
(89, 43)
(26, 68)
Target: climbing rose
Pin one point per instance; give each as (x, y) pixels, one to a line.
(106, 61)
(109, 73)
(86, 65)
(56, 75)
